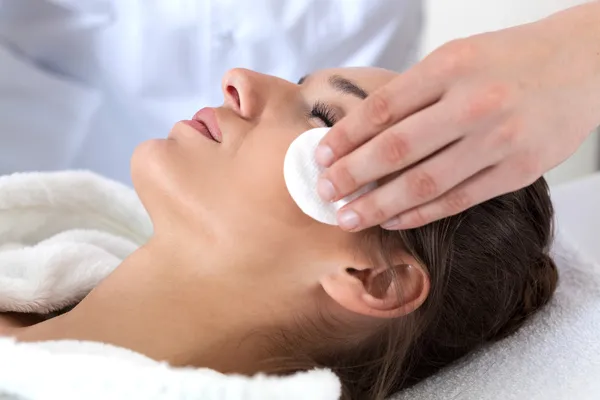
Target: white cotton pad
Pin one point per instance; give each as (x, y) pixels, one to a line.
(301, 173)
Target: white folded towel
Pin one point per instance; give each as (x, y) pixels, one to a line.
(61, 233)
(69, 370)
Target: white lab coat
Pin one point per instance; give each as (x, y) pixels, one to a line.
(82, 82)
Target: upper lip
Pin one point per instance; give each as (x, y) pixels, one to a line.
(208, 117)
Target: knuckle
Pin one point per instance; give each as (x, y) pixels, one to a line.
(487, 101)
(422, 185)
(508, 135)
(456, 56)
(417, 217)
(395, 148)
(378, 212)
(378, 109)
(341, 177)
(528, 168)
(341, 140)
(457, 201)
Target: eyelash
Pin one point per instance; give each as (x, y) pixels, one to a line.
(324, 113)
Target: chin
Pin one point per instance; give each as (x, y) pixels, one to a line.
(160, 172)
(150, 165)
(146, 160)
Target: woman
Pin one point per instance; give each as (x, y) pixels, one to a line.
(238, 279)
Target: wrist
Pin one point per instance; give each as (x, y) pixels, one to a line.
(577, 31)
(574, 39)
(579, 26)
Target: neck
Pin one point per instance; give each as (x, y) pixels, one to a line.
(171, 310)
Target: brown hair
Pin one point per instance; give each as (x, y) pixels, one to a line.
(489, 270)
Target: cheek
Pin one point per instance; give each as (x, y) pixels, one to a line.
(258, 172)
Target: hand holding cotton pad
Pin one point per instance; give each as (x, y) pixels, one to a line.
(301, 173)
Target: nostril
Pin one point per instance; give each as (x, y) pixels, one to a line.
(232, 91)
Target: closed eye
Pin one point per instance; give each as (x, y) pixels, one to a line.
(324, 112)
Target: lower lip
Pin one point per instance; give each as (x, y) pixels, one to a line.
(200, 127)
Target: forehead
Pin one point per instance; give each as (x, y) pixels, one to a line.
(368, 78)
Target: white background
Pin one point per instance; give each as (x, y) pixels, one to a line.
(450, 19)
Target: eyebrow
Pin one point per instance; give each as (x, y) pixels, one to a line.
(342, 85)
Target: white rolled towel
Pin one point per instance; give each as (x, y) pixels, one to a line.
(61, 233)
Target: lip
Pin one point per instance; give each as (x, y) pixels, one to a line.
(205, 122)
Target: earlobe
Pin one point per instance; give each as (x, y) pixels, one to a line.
(381, 293)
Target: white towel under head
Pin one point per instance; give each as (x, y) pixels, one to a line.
(301, 173)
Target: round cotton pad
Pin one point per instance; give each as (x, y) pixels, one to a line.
(301, 173)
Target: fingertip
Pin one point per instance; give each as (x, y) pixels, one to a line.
(324, 155)
(348, 220)
(326, 190)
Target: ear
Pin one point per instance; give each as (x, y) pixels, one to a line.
(379, 292)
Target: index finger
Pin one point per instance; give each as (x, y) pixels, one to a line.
(402, 96)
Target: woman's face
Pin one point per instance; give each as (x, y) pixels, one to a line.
(232, 194)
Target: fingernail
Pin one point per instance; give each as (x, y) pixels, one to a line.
(325, 190)
(348, 219)
(324, 155)
(391, 224)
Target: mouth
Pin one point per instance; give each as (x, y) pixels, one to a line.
(205, 122)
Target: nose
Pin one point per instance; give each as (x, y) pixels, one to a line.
(245, 92)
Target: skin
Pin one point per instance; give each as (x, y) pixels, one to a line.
(233, 260)
(478, 118)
